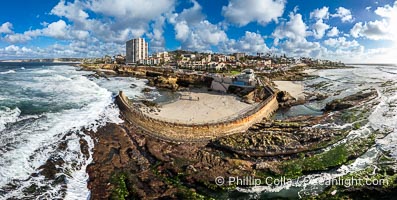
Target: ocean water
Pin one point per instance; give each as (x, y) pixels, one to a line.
(43, 106)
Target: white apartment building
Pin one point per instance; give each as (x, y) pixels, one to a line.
(136, 50)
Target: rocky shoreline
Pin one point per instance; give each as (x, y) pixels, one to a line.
(130, 164)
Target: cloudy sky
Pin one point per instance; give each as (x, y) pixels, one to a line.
(348, 30)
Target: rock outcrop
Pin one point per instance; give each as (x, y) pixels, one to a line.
(275, 138)
(286, 100)
(350, 101)
(164, 82)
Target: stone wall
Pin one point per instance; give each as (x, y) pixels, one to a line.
(179, 132)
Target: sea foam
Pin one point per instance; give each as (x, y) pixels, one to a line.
(8, 115)
(33, 140)
(8, 72)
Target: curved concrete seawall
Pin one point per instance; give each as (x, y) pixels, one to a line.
(179, 132)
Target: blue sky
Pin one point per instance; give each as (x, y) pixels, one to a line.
(349, 31)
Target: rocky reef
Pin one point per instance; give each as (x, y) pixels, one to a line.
(275, 138)
(164, 82)
(128, 163)
(285, 100)
(350, 101)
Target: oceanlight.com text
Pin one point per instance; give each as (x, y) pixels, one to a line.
(283, 181)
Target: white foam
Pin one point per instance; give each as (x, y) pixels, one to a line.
(132, 87)
(8, 115)
(383, 117)
(309, 183)
(33, 143)
(44, 71)
(8, 72)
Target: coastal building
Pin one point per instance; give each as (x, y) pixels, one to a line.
(268, 62)
(162, 56)
(239, 56)
(246, 78)
(136, 50)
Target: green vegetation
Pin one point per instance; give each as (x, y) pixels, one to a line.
(336, 156)
(319, 85)
(35, 189)
(350, 116)
(234, 72)
(358, 117)
(186, 193)
(120, 191)
(386, 183)
(332, 158)
(183, 191)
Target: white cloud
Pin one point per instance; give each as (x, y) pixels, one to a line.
(201, 36)
(319, 29)
(302, 48)
(191, 15)
(383, 29)
(93, 28)
(320, 13)
(131, 9)
(357, 28)
(212, 33)
(17, 38)
(194, 32)
(57, 30)
(15, 51)
(250, 43)
(242, 12)
(74, 49)
(374, 30)
(73, 11)
(181, 30)
(188, 17)
(333, 32)
(340, 43)
(344, 14)
(114, 22)
(383, 55)
(6, 28)
(294, 29)
(290, 36)
(12, 48)
(157, 41)
(387, 11)
(118, 20)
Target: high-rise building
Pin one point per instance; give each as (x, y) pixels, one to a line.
(136, 50)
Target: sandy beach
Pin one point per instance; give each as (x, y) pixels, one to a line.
(202, 107)
(292, 87)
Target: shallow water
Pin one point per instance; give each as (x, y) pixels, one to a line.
(383, 117)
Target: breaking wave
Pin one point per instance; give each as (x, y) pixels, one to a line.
(8, 72)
